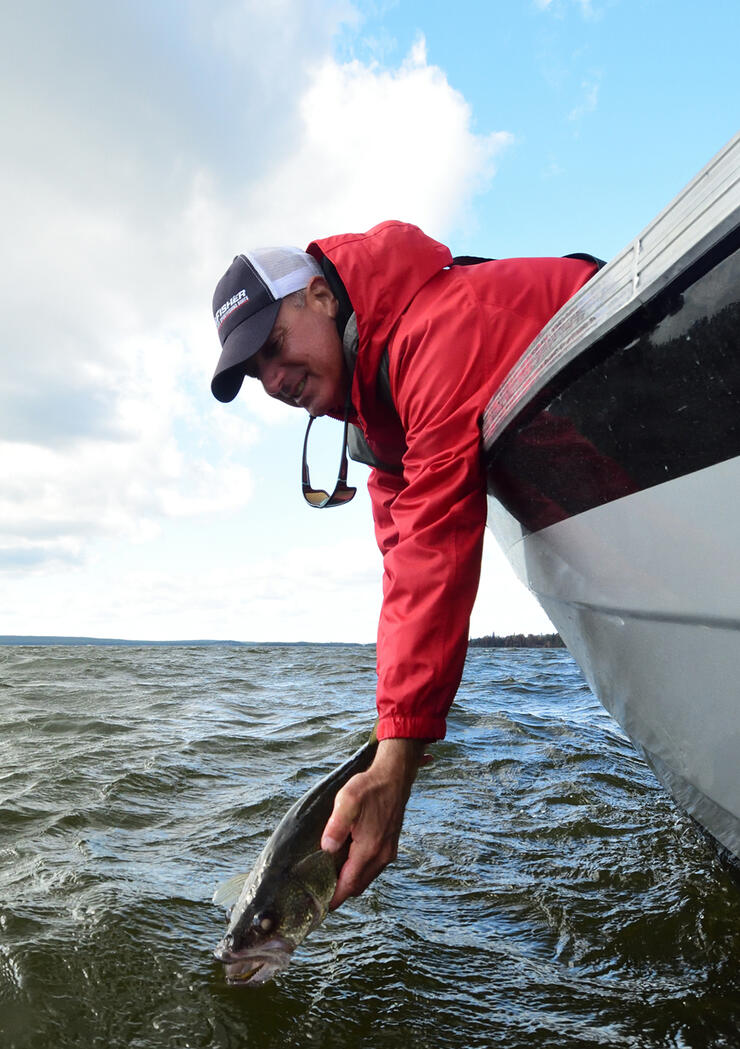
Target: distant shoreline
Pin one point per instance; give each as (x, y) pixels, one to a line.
(490, 641)
(518, 641)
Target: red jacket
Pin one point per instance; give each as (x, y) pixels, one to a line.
(452, 336)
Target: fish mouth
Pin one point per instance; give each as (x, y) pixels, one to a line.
(254, 965)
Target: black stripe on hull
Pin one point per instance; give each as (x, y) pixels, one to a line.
(657, 398)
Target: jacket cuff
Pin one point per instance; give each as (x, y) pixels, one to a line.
(428, 728)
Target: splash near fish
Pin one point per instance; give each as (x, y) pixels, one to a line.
(287, 893)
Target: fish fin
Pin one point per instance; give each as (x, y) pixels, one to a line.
(228, 892)
(374, 734)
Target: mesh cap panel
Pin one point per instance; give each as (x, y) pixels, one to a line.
(284, 270)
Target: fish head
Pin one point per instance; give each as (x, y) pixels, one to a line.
(272, 917)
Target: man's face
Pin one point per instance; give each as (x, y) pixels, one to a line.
(302, 363)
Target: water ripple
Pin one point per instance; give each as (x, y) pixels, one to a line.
(547, 893)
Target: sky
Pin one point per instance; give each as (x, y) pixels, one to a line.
(147, 143)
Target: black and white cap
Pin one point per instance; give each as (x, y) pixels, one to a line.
(245, 304)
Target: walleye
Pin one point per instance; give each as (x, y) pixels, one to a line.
(287, 892)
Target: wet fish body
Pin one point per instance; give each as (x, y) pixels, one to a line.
(286, 894)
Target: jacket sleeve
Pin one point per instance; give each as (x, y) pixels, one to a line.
(383, 489)
(430, 523)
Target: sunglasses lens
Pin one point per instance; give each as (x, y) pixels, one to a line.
(315, 496)
(342, 495)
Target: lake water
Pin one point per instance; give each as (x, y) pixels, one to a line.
(547, 892)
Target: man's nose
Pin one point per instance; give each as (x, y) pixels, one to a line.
(272, 376)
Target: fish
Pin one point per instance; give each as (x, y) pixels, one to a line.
(286, 894)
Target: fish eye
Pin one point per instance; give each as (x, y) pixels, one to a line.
(263, 921)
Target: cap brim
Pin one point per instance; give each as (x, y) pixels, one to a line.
(244, 341)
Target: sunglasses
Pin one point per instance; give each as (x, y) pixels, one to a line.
(342, 491)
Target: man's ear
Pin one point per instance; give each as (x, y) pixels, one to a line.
(319, 296)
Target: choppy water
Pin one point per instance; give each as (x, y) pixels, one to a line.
(547, 892)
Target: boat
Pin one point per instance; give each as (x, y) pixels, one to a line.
(613, 461)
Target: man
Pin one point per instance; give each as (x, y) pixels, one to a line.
(384, 330)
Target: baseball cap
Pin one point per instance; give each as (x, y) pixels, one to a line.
(245, 304)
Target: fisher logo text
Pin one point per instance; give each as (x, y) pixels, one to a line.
(228, 307)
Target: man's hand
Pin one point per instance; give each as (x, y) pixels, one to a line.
(370, 807)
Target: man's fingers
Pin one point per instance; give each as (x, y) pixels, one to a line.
(360, 869)
(339, 824)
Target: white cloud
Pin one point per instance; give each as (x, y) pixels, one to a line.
(117, 240)
(377, 143)
(150, 144)
(312, 593)
(108, 427)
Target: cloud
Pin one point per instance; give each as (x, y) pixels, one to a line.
(306, 593)
(313, 592)
(107, 425)
(128, 190)
(379, 143)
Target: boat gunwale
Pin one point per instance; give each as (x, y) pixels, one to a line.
(705, 215)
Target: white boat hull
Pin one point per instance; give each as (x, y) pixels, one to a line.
(656, 632)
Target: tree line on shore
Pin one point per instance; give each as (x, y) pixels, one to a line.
(518, 641)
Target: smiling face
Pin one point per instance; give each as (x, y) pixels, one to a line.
(301, 363)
